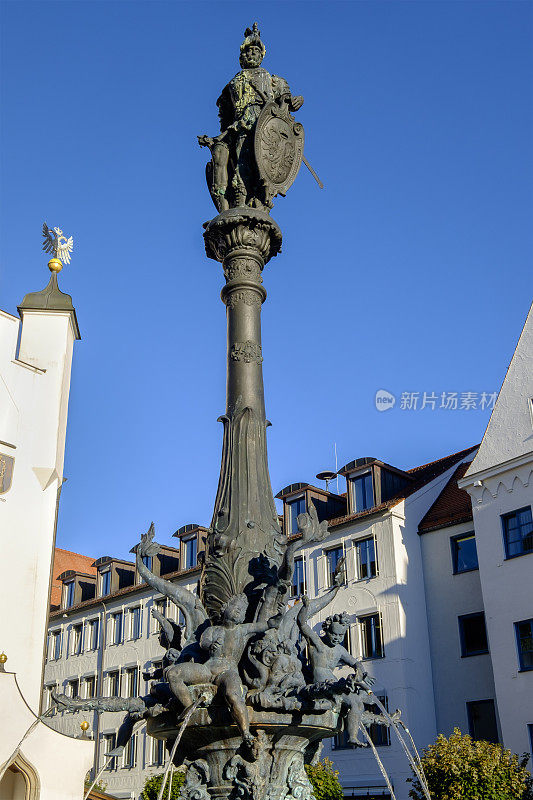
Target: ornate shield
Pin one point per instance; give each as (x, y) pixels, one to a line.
(279, 146)
(6, 472)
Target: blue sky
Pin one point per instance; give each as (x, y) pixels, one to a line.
(410, 271)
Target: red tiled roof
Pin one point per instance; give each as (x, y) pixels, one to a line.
(422, 475)
(64, 560)
(451, 507)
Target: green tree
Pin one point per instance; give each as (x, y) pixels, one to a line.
(459, 768)
(325, 780)
(153, 785)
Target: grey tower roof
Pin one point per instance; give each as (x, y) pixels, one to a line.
(51, 298)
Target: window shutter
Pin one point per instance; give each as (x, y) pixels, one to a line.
(350, 554)
(321, 565)
(375, 548)
(354, 638)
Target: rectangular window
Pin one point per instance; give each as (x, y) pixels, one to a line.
(69, 594)
(132, 676)
(73, 688)
(190, 557)
(114, 683)
(371, 636)
(109, 742)
(524, 642)
(482, 721)
(77, 639)
(473, 634)
(54, 652)
(365, 558)
(105, 582)
(90, 686)
(295, 508)
(116, 621)
(530, 731)
(147, 561)
(135, 622)
(94, 629)
(380, 734)
(298, 578)
(464, 552)
(518, 532)
(333, 557)
(48, 699)
(158, 752)
(130, 753)
(362, 492)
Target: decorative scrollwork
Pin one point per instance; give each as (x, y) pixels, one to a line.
(246, 351)
(246, 296)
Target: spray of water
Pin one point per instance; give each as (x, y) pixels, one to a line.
(380, 762)
(414, 761)
(186, 716)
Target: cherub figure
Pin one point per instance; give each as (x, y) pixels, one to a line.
(326, 653)
(225, 644)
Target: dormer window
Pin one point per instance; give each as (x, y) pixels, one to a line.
(147, 561)
(295, 507)
(105, 582)
(190, 556)
(362, 491)
(69, 594)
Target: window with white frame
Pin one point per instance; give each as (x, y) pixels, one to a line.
(113, 683)
(77, 639)
(371, 636)
(130, 753)
(333, 556)
(69, 591)
(105, 582)
(93, 629)
(132, 681)
(161, 607)
(361, 491)
(90, 686)
(54, 646)
(73, 688)
(295, 507)
(109, 743)
(48, 702)
(366, 565)
(157, 757)
(190, 552)
(135, 622)
(298, 586)
(116, 627)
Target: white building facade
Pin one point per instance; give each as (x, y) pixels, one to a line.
(35, 363)
(500, 483)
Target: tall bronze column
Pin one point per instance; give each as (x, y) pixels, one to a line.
(245, 543)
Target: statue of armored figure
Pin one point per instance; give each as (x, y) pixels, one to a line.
(248, 166)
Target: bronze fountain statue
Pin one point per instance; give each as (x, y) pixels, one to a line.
(258, 706)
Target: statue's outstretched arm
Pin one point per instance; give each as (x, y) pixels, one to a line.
(193, 610)
(306, 629)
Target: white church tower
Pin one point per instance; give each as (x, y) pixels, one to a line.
(35, 363)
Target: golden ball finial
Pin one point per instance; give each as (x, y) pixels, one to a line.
(3, 658)
(84, 725)
(55, 265)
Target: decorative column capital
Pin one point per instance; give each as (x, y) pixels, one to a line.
(246, 232)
